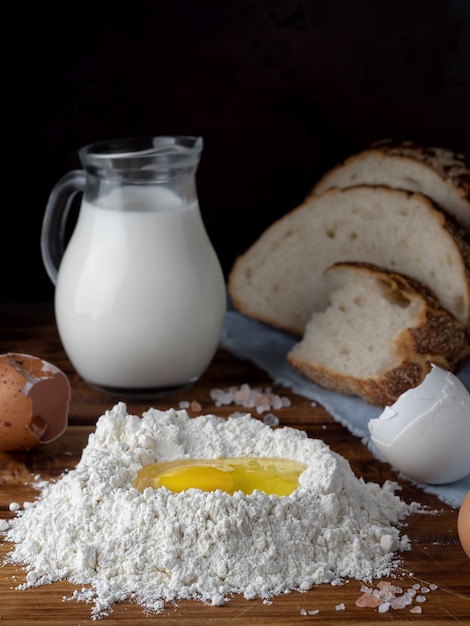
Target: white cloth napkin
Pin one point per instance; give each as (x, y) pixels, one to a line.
(267, 348)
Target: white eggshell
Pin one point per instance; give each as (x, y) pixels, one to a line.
(425, 434)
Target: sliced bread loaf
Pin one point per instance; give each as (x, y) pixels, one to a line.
(378, 336)
(280, 279)
(437, 173)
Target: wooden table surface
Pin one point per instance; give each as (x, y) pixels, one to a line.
(436, 556)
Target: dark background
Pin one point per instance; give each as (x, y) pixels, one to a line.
(280, 90)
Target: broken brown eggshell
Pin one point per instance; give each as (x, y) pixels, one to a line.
(34, 402)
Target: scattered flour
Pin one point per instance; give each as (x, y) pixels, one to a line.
(94, 529)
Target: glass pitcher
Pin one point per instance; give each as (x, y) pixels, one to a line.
(139, 292)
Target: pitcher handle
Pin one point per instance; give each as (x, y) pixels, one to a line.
(55, 220)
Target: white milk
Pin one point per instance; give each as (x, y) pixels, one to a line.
(140, 295)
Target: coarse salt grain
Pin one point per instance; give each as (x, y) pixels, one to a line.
(392, 596)
(400, 602)
(194, 405)
(260, 399)
(311, 612)
(368, 600)
(271, 420)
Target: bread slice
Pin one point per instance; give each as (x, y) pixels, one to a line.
(439, 174)
(280, 279)
(378, 337)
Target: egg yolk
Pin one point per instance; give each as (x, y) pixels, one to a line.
(274, 476)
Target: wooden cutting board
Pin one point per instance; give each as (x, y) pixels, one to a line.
(436, 557)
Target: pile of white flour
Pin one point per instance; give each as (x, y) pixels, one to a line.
(93, 528)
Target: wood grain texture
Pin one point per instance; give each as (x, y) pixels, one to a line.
(436, 555)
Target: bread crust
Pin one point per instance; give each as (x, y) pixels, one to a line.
(450, 165)
(382, 162)
(380, 392)
(410, 238)
(275, 246)
(436, 337)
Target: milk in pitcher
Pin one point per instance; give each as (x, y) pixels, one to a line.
(140, 294)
